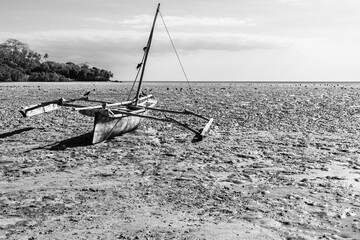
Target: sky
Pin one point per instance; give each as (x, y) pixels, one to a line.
(217, 40)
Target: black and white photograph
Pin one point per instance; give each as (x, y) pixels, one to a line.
(157, 120)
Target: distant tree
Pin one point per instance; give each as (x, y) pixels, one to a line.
(46, 56)
(16, 54)
(8, 74)
(5, 73)
(13, 52)
(73, 70)
(19, 63)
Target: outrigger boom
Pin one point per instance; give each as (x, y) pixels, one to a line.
(128, 110)
(114, 119)
(44, 107)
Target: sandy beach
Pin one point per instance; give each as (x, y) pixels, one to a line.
(281, 161)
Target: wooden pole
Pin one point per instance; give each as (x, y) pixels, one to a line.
(146, 55)
(186, 112)
(112, 104)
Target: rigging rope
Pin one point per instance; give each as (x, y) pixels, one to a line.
(173, 45)
(137, 74)
(182, 67)
(176, 53)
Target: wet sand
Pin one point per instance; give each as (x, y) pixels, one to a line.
(282, 161)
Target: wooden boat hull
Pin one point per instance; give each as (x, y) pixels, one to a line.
(106, 127)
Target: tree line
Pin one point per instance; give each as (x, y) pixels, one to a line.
(19, 63)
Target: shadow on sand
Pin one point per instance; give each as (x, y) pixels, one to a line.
(9, 134)
(78, 141)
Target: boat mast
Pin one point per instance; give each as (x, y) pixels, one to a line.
(146, 55)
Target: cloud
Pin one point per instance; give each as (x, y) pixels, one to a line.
(111, 49)
(228, 41)
(144, 21)
(205, 21)
(303, 3)
(294, 2)
(140, 20)
(130, 41)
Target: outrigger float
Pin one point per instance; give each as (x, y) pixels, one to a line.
(114, 119)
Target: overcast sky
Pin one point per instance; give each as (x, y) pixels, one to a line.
(216, 39)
